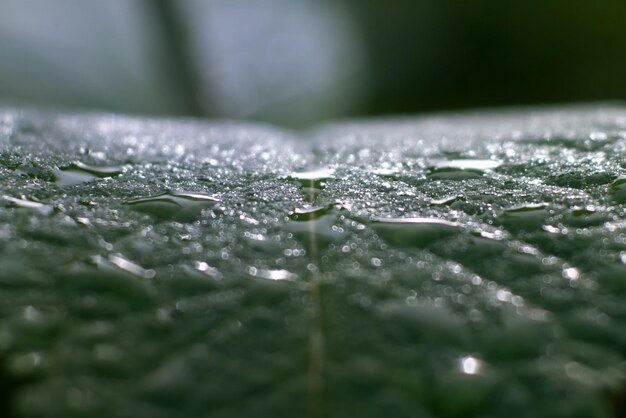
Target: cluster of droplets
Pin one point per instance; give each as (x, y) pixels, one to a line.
(507, 257)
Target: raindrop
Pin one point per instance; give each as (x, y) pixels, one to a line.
(309, 214)
(618, 189)
(315, 179)
(462, 169)
(205, 268)
(446, 201)
(29, 204)
(571, 273)
(316, 225)
(77, 173)
(117, 262)
(276, 275)
(418, 232)
(526, 217)
(470, 365)
(181, 206)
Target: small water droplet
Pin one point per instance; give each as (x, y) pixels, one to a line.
(278, 274)
(29, 204)
(446, 201)
(77, 173)
(571, 273)
(117, 262)
(470, 365)
(462, 169)
(208, 270)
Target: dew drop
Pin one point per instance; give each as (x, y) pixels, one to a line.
(117, 262)
(38, 207)
(77, 173)
(571, 273)
(618, 189)
(526, 209)
(462, 169)
(527, 217)
(309, 214)
(181, 206)
(205, 268)
(417, 232)
(470, 365)
(277, 275)
(315, 179)
(446, 201)
(316, 225)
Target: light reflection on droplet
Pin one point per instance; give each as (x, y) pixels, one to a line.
(315, 179)
(278, 274)
(207, 269)
(571, 273)
(116, 261)
(29, 204)
(470, 365)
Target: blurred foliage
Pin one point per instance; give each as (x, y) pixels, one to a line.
(448, 54)
(299, 62)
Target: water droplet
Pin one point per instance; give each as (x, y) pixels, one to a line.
(414, 231)
(77, 173)
(446, 201)
(470, 365)
(29, 204)
(316, 224)
(618, 189)
(526, 209)
(116, 262)
(462, 169)
(571, 273)
(278, 274)
(208, 270)
(585, 216)
(181, 206)
(309, 214)
(527, 217)
(315, 179)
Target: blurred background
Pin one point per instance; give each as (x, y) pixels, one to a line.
(299, 62)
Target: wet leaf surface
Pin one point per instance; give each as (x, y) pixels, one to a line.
(449, 266)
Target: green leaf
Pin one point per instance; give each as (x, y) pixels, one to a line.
(448, 266)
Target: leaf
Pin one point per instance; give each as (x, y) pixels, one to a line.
(241, 270)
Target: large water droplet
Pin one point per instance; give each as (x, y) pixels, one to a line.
(526, 217)
(315, 226)
(462, 169)
(77, 173)
(618, 189)
(315, 179)
(309, 214)
(417, 232)
(585, 216)
(29, 204)
(181, 206)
